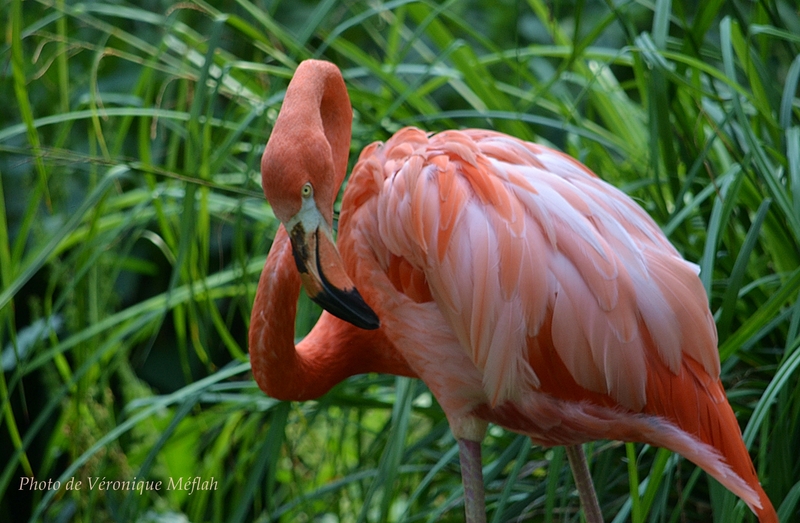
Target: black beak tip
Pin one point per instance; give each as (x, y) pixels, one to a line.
(345, 304)
(348, 305)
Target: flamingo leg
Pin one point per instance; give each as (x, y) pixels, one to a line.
(469, 452)
(583, 480)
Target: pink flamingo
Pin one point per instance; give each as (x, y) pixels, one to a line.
(520, 287)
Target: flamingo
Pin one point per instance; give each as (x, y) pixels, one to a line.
(519, 286)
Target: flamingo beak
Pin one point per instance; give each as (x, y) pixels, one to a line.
(323, 275)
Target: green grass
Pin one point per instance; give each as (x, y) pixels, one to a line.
(133, 231)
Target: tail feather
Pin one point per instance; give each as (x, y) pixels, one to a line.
(697, 404)
(686, 412)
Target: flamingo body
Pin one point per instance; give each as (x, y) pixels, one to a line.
(520, 287)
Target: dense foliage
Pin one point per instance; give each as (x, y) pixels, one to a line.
(133, 231)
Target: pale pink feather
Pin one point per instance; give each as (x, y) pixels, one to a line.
(504, 231)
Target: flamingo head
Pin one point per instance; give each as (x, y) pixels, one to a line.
(301, 182)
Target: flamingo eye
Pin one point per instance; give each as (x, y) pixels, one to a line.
(307, 190)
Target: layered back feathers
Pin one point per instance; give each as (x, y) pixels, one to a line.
(554, 282)
(508, 233)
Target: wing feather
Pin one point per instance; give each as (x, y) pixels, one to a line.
(509, 235)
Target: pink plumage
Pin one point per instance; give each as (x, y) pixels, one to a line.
(519, 286)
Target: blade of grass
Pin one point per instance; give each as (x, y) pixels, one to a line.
(731, 296)
(267, 461)
(766, 401)
(633, 481)
(23, 102)
(723, 206)
(519, 461)
(752, 327)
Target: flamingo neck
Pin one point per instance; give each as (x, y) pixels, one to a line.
(332, 351)
(273, 355)
(316, 115)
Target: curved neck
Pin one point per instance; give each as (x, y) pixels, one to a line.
(332, 351)
(317, 101)
(278, 368)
